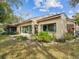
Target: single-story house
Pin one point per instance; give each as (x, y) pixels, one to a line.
(57, 24)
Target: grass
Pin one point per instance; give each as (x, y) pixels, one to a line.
(3, 38)
(70, 49)
(12, 49)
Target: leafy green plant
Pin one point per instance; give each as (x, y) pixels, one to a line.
(1, 30)
(45, 37)
(34, 37)
(21, 38)
(68, 36)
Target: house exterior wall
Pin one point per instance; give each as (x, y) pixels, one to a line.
(19, 28)
(77, 27)
(74, 26)
(59, 26)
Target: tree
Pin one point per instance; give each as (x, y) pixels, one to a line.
(73, 3)
(77, 18)
(17, 3)
(6, 13)
(16, 19)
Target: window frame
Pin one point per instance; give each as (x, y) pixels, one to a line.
(27, 29)
(54, 27)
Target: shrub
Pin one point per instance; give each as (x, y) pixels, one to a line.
(4, 33)
(11, 33)
(21, 38)
(60, 40)
(35, 37)
(68, 36)
(1, 30)
(8, 33)
(1, 57)
(45, 37)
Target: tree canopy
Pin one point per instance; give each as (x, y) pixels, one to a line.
(17, 3)
(6, 13)
(77, 18)
(73, 3)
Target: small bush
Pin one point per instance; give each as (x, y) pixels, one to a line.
(60, 40)
(1, 30)
(44, 37)
(21, 38)
(4, 33)
(35, 37)
(12, 33)
(1, 57)
(68, 36)
(8, 33)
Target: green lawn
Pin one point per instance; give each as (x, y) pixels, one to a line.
(4, 38)
(12, 49)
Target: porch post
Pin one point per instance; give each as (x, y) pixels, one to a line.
(74, 29)
(21, 29)
(39, 28)
(33, 29)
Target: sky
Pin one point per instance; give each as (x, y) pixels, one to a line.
(35, 8)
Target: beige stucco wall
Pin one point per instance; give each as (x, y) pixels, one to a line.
(59, 26)
(18, 29)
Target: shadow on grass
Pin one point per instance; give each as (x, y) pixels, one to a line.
(7, 43)
(69, 49)
(40, 48)
(32, 48)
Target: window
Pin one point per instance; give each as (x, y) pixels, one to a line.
(49, 27)
(44, 27)
(27, 29)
